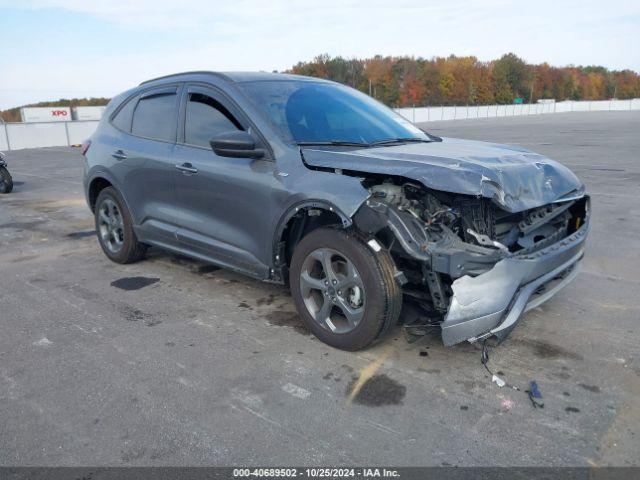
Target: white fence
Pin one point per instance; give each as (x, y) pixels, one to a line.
(14, 136)
(431, 114)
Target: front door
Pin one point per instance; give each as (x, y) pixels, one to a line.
(224, 202)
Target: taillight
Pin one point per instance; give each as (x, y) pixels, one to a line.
(85, 147)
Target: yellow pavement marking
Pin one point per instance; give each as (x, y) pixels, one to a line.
(614, 306)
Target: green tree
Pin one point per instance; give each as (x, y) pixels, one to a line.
(512, 77)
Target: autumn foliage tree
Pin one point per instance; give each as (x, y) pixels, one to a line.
(406, 81)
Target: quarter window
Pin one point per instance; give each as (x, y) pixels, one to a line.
(154, 117)
(206, 118)
(122, 120)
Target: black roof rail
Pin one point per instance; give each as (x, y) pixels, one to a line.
(185, 73)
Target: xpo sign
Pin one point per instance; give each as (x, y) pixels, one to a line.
(45, 114)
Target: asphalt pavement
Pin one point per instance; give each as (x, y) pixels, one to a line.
(173, 362)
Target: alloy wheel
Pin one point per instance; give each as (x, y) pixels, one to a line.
(332, 290)
(111, 225)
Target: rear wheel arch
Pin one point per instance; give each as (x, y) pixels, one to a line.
(98, 183)
(95, 187)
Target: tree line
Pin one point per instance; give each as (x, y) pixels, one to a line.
(407, 81)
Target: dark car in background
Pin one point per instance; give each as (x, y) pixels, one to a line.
(6, 181)
(311, 183)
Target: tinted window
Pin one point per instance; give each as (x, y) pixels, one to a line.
(206, 118)
(154, 117)
(304, 111)
(122, 120)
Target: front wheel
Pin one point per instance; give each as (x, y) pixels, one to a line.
(344, 291)
(6, 182)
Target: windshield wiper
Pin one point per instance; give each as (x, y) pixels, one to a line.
(336, 143)
(392, 141)
(344, 143)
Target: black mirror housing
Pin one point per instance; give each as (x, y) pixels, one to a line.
(236, 144)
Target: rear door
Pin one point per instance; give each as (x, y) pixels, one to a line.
(224, 202)
(146, 165)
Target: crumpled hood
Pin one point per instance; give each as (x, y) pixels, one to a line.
(515, 178)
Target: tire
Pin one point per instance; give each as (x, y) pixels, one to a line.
(114, 228)
(6, 182)
(357, 315)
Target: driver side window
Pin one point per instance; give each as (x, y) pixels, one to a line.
(205, 118)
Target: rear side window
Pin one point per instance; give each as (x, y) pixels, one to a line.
(155, 117)
(122, 120)
(206, 118)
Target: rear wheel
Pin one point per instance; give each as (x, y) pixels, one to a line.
(6, 182)
(343, 290)
(114, 228)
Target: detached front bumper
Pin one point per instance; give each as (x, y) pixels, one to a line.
(492, 303)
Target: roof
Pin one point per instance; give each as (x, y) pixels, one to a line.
(238, 77)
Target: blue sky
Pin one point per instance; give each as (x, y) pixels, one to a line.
(75, 48)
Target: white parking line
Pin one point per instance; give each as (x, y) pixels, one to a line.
(296, 391)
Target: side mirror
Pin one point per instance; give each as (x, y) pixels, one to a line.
(236, 144)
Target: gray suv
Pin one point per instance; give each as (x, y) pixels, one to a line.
(313, 184)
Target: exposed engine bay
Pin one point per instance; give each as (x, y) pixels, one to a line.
(478, 233)
(453, 236)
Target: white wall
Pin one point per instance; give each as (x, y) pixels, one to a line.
(80, 131)
(49, 134)
(3, 138)
(14, 136)
(430, 114)
(32, 135)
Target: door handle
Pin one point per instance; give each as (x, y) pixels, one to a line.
(187, 168)
(119, 154)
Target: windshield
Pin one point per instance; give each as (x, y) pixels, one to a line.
(325, 113)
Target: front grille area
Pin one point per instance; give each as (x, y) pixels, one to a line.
(525, 231)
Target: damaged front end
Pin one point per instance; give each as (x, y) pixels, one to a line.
(472, 266)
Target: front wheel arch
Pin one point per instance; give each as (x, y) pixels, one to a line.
(288, 234)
